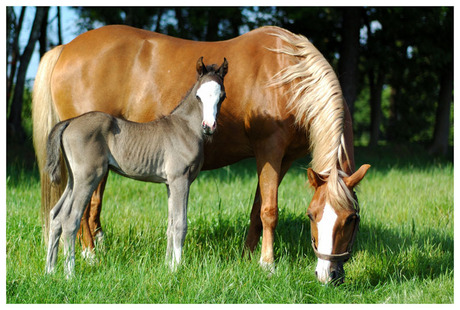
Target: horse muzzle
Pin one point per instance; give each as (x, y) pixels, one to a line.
(208, 129)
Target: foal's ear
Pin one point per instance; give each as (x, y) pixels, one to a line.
(314, 178)
(356, 177)
(200, 67)
(222, 71)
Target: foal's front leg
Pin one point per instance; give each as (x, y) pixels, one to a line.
(178, 191)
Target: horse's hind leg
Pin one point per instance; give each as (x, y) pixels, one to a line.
(90, 232)
(178, 192)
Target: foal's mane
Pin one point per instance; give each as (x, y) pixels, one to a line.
(315, 97)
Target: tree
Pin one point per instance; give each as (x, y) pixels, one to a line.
(14, 30)
(349, 54)
(440, 140)
(15, 129)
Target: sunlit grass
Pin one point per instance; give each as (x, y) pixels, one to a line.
(403, 252)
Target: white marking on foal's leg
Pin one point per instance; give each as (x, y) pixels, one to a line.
(325, 239)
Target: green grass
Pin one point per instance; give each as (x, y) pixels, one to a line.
(403, 252)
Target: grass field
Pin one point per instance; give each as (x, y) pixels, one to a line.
(403, 252)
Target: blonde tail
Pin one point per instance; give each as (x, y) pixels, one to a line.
(44, 117)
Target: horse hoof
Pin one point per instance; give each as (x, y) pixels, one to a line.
(89, 256)
(269, 267)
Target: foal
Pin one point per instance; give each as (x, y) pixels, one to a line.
(168, 150)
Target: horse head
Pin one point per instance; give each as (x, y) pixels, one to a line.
(333, 228)
(210, 92)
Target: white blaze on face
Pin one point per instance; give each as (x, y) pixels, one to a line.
(209, 94)
(325, 230)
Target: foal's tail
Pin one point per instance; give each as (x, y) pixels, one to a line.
(44, 117)
(53, 147)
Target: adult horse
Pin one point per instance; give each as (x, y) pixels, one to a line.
(283, 101)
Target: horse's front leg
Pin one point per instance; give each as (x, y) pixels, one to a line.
(255, 226)
(178, 191)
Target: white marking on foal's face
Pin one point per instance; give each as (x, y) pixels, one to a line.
(325, 239)
(209, 94)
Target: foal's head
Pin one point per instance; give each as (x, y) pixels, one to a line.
(333, 228)
(211, 92)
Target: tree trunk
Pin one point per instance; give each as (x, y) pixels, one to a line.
(158, 23)
(15, 129)
(213, 26)
(180, 22)
(43, 38)
(15, 54)
(348, 63)
(59, 25)
(440, 142)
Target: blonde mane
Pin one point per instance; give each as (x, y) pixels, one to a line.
(317, 102)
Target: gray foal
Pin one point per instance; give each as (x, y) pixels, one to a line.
(168, 150)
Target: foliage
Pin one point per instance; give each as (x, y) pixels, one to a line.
(412, 48)
(404, 249)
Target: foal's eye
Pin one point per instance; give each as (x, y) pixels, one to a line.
(310, 216)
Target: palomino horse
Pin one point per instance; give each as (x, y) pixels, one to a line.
(283, 102)
(167, 150)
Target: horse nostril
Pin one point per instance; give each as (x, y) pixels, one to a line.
(316, 273)
(334, 275)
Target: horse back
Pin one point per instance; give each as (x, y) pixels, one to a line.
(141, 75)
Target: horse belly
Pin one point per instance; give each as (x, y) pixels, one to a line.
(139, 166)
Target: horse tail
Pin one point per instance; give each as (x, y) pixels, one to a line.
(318, 104)
(44, 117)
(53, 147)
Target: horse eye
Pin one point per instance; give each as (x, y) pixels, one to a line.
(350, 218)
(310, 216)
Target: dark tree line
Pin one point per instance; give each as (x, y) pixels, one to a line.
(395, 63)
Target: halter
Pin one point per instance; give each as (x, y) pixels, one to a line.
(343, 257)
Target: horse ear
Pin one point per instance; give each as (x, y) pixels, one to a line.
(356, 177)
(200, 67)
(222, 71)
(314, 178)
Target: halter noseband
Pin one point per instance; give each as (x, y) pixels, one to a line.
(343, 257)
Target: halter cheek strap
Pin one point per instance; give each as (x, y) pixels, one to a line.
(342, 257)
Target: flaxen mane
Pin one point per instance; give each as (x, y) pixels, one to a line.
(317, 101)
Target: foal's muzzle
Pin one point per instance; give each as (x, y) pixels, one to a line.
(208, 129)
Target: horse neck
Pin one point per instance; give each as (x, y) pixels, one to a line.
(190, 110)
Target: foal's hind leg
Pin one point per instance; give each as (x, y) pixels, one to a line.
(178, 192)
(77, 204)
(55, 230)
(86, 177)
